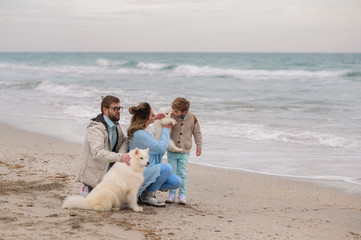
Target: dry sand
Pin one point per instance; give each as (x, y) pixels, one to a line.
(37, 173)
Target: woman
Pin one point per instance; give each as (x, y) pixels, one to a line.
(158, 175)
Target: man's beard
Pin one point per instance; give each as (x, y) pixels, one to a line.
(114, 118)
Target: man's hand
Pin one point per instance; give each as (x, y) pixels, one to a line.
(199, 152)
(125, 158)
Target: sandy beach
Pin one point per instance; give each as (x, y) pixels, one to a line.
(37, 172)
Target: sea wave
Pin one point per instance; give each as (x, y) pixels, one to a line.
(110, 67)
(81, 111)
(102, 62)
(40, 69)
(133, 64)
(75, 91)
(353, 74)
(191, 70)
(152, 66)
(298, 136)
(23, 85)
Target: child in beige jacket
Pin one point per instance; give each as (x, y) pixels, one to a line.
(186, 127)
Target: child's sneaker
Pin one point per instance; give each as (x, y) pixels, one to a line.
(171, 198)
(84, 191)
(182, 199)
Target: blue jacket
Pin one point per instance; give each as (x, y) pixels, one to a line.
(143, 139)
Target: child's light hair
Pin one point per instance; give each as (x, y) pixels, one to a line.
(181, 104)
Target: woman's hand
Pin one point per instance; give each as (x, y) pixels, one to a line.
(168, 126)
(160, 116)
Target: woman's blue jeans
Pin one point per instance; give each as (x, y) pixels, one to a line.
(166, 180)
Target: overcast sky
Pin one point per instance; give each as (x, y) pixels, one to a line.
(181, 25)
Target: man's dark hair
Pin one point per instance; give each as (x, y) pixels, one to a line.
(107, 101)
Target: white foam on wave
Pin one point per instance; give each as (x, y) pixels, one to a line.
(186, 70)
(106, 63)
(81, 111)
(191, 70)
(71, 90)
(152, 66)
(12, 67)
(58, 69)
(263, 132)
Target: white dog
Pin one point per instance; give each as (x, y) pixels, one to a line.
(119, 185)
(157, 128)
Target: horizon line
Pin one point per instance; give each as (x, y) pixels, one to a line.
(236, 52)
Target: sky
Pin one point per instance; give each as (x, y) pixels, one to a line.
(180, 26)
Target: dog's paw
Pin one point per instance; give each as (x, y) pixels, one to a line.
(179, 150)
(174, 149)
(138, 209)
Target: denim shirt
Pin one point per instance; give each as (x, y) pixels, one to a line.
(111, 126)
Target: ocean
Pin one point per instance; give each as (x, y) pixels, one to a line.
(295, 115)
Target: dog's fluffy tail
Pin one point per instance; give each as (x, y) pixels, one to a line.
(78, 202)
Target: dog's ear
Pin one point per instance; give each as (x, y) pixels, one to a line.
(147, 150)
(136, 151)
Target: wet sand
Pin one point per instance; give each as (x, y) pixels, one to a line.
(37, 172)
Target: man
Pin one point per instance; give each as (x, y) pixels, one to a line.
(104, 145)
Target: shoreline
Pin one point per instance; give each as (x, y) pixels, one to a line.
(75, 131)
(37, 172)
(342, 185)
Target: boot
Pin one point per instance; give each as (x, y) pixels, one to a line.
(150, 199)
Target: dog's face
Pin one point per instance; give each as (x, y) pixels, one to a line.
(165, 111)
(139, 158)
